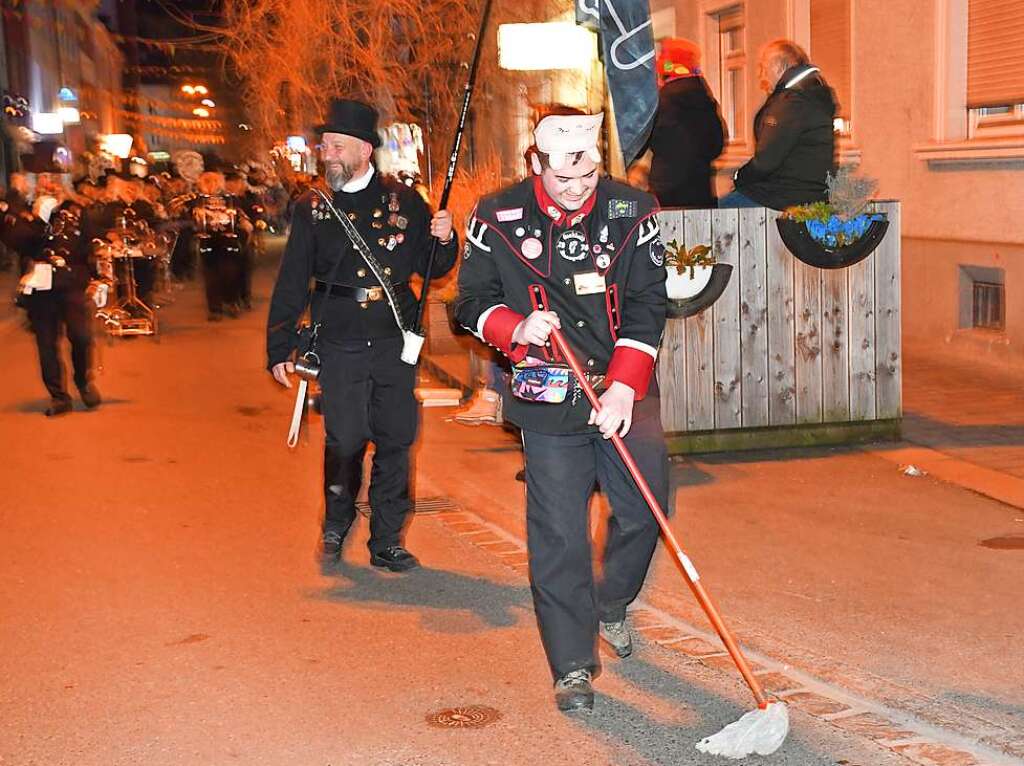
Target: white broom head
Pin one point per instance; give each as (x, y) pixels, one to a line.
(760, 731)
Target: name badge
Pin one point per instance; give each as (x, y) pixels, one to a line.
(588, 283)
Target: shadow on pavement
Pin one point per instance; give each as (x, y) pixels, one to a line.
(450, 602)
(940, 433)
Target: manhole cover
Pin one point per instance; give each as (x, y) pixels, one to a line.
(470, 717)
(1007, 543)
(424, 506)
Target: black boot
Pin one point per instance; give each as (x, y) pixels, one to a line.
(394, 557)
(573, 692)
(90, 396)
(58, 407)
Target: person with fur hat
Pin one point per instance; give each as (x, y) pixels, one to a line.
(571, 249)
(688, 133)
(366, 386)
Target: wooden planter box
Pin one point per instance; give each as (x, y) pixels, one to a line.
(789, 354)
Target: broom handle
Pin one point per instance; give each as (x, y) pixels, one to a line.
(692, 577)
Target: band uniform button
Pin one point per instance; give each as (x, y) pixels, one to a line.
(387, 271)
(590, 363)
(361, 273)
(352, 216)
(581, 323)
(568, 281)
(364, 305)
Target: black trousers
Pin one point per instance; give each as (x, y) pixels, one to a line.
(49, 313)
(367, 395)
(560, 474)
(223, 272)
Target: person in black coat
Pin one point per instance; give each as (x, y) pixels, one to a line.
(688, 132)
(366, 387)
(794, 132)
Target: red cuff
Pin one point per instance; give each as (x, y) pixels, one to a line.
(498, 329)
(632, 367)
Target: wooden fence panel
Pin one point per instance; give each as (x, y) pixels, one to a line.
(807, 291)
(753, 286)
(725, 230)
(835, 372)
(671, 355)
(781, 328)
(862, 339)
(700, 362)
(888, 351)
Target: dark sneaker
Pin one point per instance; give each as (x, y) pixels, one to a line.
(330, 547)
(617, 635)
(58, 407)
(394, 557)
(573, 692)
(90, 397)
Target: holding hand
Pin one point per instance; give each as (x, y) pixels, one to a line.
(441, 226)
(616, 412)
(535, 329)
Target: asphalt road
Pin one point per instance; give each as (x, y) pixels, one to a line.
(159, 603)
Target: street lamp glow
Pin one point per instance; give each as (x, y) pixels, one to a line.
(47, 123)
(208, 102)
(201, 111)
(556, 45)
(201, 90)
(189, 89)
(117, 144)
(69, 115)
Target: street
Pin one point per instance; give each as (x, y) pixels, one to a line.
(160, 602)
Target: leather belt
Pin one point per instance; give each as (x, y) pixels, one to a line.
(359, 294)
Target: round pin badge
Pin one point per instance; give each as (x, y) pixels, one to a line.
(603, 261)
(520, 231)
(596, 249)
(532, 248)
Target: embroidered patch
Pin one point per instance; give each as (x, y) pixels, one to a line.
(475, 234)
(658, 253)
(532, 248)
(622, 208)
(646, 231)
(572, 245)
(603, 236)
(511, 214)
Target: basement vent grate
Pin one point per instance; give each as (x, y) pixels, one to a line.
(469, 717)
(423, 506)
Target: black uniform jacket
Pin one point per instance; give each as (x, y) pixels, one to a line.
(395, 223)
(688, 135)
(795, 143)
(601, 269)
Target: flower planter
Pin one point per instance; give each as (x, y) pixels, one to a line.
(689, 296)
(805, 248)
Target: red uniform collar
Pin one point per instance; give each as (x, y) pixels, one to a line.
(554, 211)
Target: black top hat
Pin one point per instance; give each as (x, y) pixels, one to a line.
(353, 118)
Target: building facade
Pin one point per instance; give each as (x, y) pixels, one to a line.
(931, 99)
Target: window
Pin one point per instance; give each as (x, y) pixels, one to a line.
(982, 298)
(995, 68)
(730, 75)
(987, 306)
(831, 51)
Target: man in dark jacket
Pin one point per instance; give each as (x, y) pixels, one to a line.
(366, 384)
(794, 133)
(688, 132)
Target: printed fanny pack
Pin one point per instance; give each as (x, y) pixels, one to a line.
(537, 380)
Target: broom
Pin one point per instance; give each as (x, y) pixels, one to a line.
(760, 731)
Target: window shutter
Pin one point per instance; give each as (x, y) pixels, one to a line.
(995, 55)
(830, 48)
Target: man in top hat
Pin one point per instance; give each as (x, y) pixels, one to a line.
(568, 248)
(688, 133)
(367, 390)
